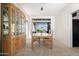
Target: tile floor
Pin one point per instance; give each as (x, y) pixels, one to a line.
(58, 49)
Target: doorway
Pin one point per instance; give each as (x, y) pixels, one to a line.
(75, 28)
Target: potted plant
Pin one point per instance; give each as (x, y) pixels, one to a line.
(39, 30)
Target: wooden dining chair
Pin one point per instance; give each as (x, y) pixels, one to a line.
(35, 41)
(48, 41)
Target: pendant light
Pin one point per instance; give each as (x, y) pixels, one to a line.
(42, 8)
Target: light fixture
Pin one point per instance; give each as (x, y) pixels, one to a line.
(41, 8)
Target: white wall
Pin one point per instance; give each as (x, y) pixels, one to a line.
(64, 24)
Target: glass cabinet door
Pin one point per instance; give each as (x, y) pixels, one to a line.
(5, 21)
(13, 22)
(17, 24)
(23, 25)
(20, 24)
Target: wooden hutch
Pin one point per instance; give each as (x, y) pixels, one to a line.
(13, 29)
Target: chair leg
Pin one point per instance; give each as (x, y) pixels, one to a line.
(50, 44)
(32, 45)
(44, 42)
(39, 42)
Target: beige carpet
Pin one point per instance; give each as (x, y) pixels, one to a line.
(58, 49)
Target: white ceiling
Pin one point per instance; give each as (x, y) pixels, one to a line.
(49, 9)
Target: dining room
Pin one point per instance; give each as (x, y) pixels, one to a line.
(41, 33)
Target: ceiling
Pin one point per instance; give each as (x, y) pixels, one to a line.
(49, 9)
